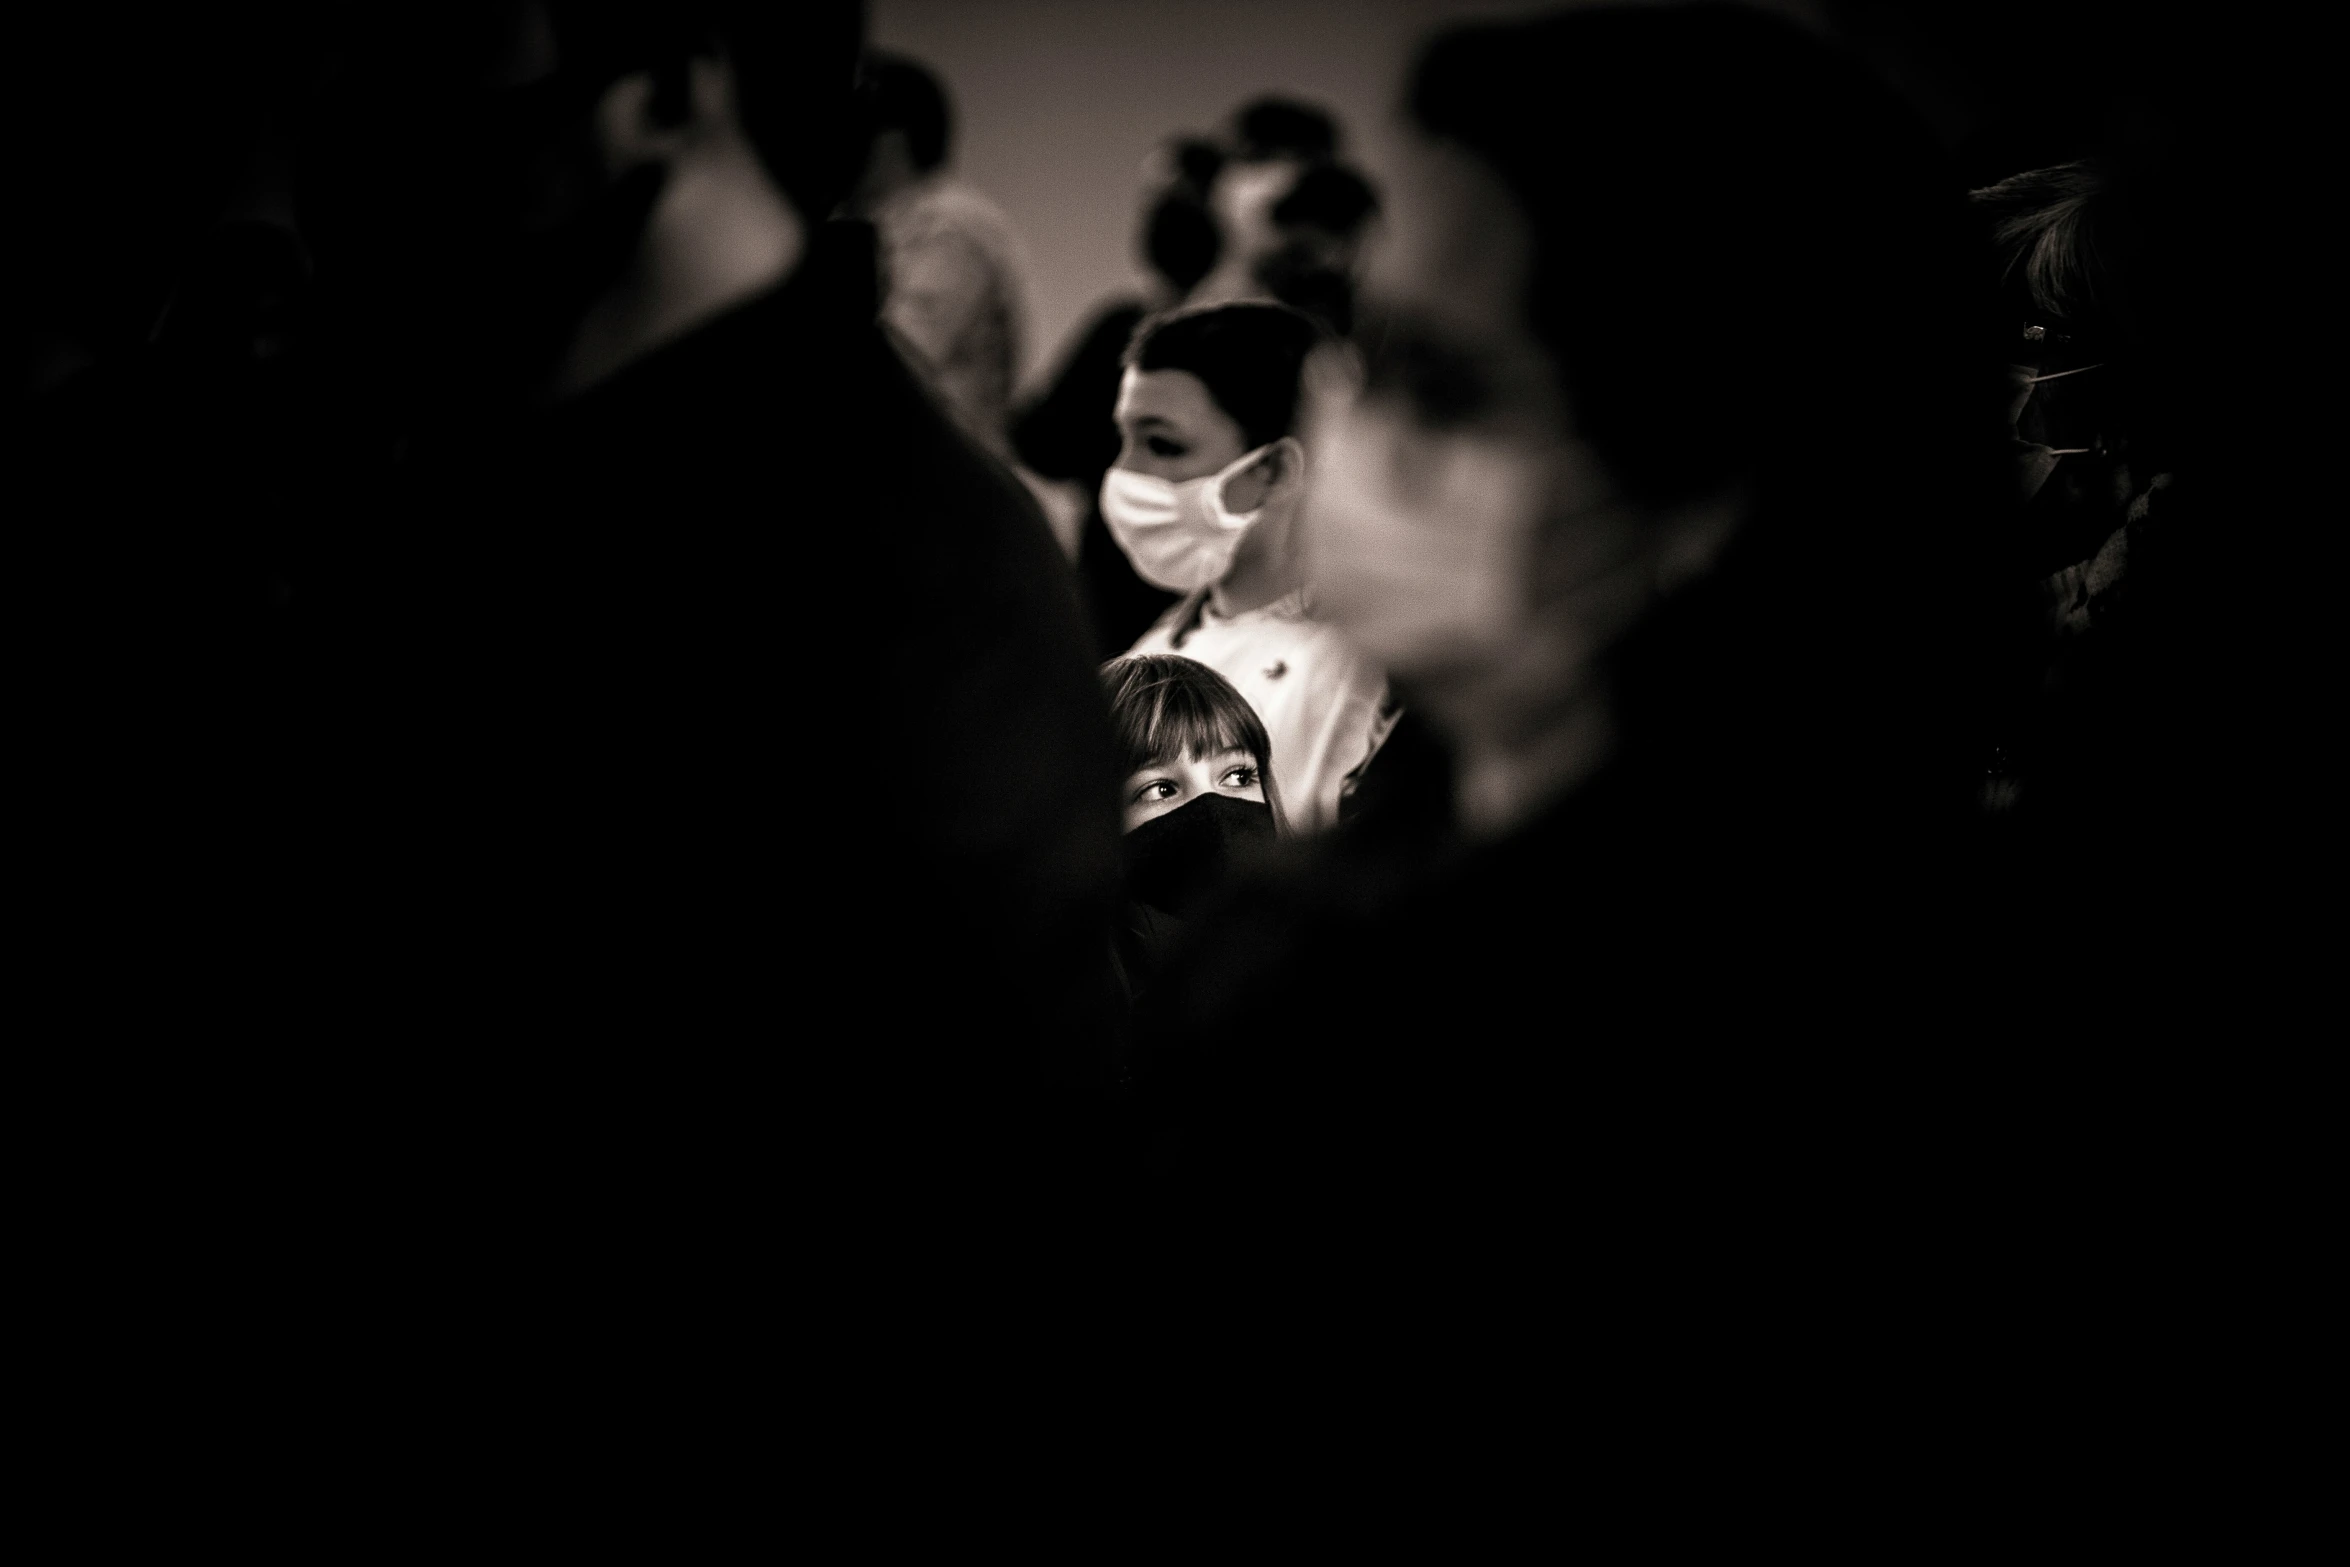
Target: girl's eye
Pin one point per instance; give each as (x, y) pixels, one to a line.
(1157, 789)
(1162, 447)
(1241, 778)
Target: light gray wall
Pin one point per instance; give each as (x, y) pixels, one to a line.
(1060, 104)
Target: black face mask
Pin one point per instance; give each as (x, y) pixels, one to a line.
(1174, 861)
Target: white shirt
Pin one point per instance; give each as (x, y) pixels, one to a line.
(1323, 704)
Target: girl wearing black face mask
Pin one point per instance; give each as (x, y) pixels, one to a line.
(1198, 798)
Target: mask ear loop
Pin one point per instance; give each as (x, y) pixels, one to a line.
(2066, 452)
(2058, 375)
(1246, 461)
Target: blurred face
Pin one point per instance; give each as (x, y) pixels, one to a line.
(1243, 200)
(1171, 785)
(1450, 499)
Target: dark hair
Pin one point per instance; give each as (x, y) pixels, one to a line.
(906, 96)
(2044, 235)
(1197, 161)
(1283, 128)
(1251, 357)
(1163, 706)
(1319, 221)
(1751, 265)
(1330, 197)
(1180, 240)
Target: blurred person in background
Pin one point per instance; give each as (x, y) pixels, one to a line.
(1204, 501)
(1067, 434)
(1291, 218)
(1692, 582)
(950, 262)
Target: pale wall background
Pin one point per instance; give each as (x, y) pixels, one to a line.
(1061, 103)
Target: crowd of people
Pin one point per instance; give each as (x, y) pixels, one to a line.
(1665, 668)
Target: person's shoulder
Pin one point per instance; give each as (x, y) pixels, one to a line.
(947, 211)
(1329, 656)
(958, 202)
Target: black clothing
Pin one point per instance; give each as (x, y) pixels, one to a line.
(641, 753)
(1176, 860)
(1144, 938)
(1069, 433)
(1428, 1111)
(1403, 791)
(747, 676)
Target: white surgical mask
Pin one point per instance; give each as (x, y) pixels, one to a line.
(1179, 536)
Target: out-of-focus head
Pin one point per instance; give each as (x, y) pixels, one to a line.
(1242, 201)
(1322, 223)
(910, 122)
(463, 185)
(909, 101)
(1183, 733)
(1273, 142)
(1179, 240)
(1658, 278)
(1291, 218)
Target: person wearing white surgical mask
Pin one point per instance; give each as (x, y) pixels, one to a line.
(1204, 501)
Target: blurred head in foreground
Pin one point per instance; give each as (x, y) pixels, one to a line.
(1290, 217)
(1665, 451)
(910, 123)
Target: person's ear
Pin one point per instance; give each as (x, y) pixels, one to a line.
(654, 115)
(1277, 476)
(1285, 469)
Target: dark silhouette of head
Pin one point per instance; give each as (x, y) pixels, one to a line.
(1321, 223)
(1179, 238)
(905, 97)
